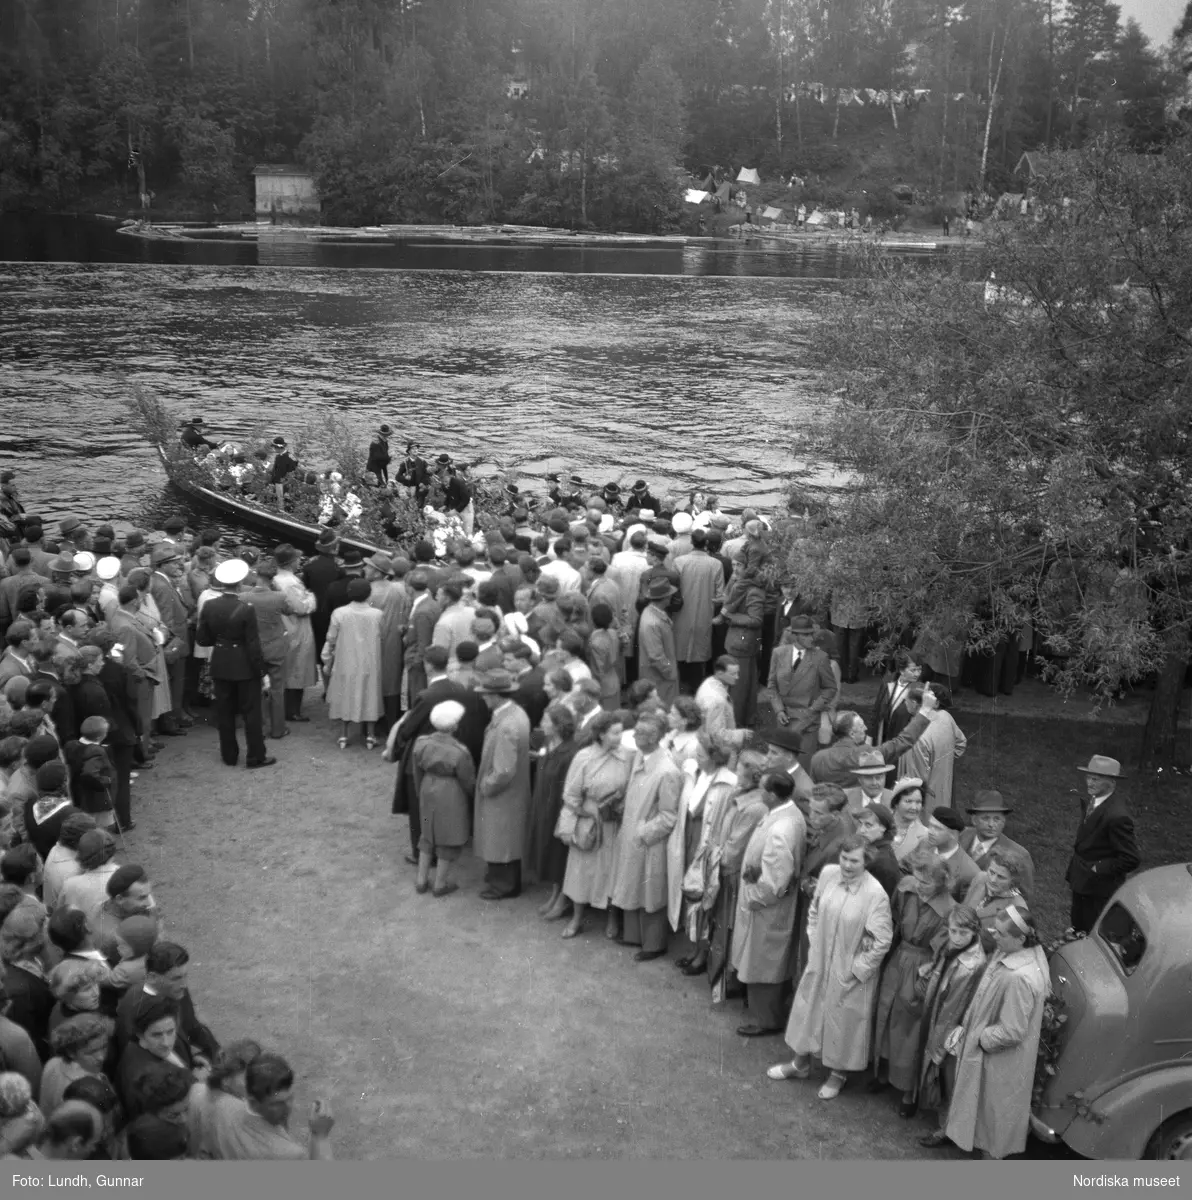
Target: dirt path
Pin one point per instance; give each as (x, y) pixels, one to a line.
(449, 1028)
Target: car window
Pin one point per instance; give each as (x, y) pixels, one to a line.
(1120, 932)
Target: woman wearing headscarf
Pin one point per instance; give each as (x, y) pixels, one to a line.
(352, 664)
(593, 799)
(850, 931)
(920, 907)
(545, 855)
(445, 780)
(80, 1045)
(997, 1043)
(874, 823)
(21, 1121)
(947, 986)
(301, 670)
(604, 651)
(217, 1105)
(906, 803)
(22, 951)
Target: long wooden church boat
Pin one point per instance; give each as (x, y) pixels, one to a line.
(252, 516)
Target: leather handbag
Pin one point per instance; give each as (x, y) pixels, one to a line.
(589, 833)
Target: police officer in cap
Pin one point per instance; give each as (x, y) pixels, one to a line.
(238, 667)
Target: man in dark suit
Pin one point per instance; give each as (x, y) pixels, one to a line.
(337, 592)
(531, 680)
(400, 746)
(378, 455)
(164, 586)
(890, 714)
(192, 435)
(229, 626)
(420, 633)
(985, 835)
(1106, 849)
(106, 691)
(271, 607)
(284, 464)
(319, 574)
(801, 683)
(414, 473)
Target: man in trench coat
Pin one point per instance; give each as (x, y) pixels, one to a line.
(766, 908)
(502, 786)
(656, 659)
(701, 584)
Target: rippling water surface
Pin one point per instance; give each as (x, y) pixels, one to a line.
(686, 381)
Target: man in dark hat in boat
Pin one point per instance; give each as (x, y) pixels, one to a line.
(611, 495)
(640, 498)
(513, 495)
(378, 455)
(283, 464)
(192, 435)
(457, 496)
(414, 473)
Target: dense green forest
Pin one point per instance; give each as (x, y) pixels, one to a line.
(561, 112)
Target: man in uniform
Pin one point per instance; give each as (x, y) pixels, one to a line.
(238, 665)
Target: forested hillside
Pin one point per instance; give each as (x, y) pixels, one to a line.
(576, 112)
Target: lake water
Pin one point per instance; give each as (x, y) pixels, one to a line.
(680, 365)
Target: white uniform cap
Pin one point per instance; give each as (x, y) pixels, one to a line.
(108, 568)
(446, 715)
(235, 570)
(681, 522)
(84, 560)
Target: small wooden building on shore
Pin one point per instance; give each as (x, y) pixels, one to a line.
(285, 192)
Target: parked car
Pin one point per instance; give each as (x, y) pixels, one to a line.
(1122, 1087)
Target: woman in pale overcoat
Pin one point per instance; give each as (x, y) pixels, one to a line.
(639, 863)
(301, 671)
(595, 790)
(920, 907)
(502, 787)
(352, 664)
(998, 1042)
(947, 984)
(850, 930)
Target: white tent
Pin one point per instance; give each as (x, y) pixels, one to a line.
(770, 213)
(817, 218)
(748, 175)
(695, 196)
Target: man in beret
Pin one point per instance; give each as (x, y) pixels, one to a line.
(988, 813)
(1106, 848)
(229, 626)
(944, 827)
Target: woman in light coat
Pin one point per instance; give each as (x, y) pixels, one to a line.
(352, 664)
(850, 930)
(997, 1043)
(300, 671)
(594, 792)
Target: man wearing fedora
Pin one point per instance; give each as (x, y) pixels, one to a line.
(229, 626)
(872, 772)
(640, 498)
(988, 813)
(175, 616)
(284, 464)
(656, 659)
(502, 786)
(134, 551)
(801, 683)
(74, 536)
(352, 562)
(192, 435)
(318, 574)
(1106, 849)
(378, 455)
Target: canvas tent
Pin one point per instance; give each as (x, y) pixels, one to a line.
(770, 213)
(817, 218)
(695, 196)
(724, 192)
(748, 175)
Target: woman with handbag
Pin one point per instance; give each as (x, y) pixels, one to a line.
(593, 796)
(744, 613)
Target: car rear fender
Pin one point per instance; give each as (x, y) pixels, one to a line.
(1120, 1122)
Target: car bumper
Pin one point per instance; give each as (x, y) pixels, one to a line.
(1043, 1131)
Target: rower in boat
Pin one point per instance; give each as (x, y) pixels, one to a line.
(192, 435)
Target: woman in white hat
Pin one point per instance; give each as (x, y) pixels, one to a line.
(445, 778)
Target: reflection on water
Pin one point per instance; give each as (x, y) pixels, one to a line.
(687, 371)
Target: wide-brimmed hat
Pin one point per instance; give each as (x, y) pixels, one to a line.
(497, 682)
(575, 480)
(783, 736)
(511, 489)
(870, 762)
(68, 525)
(989, 801)
(64, 564)
(229, 573)
(133, 539)
(197, 421)
(381, 562)
(279, 443)
(385, 430)
(163, 554)
(444, 460)
(640, 486)
(660, 588)
(611, 489)
(1101, 764)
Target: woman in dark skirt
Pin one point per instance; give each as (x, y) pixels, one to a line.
(546, 855)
